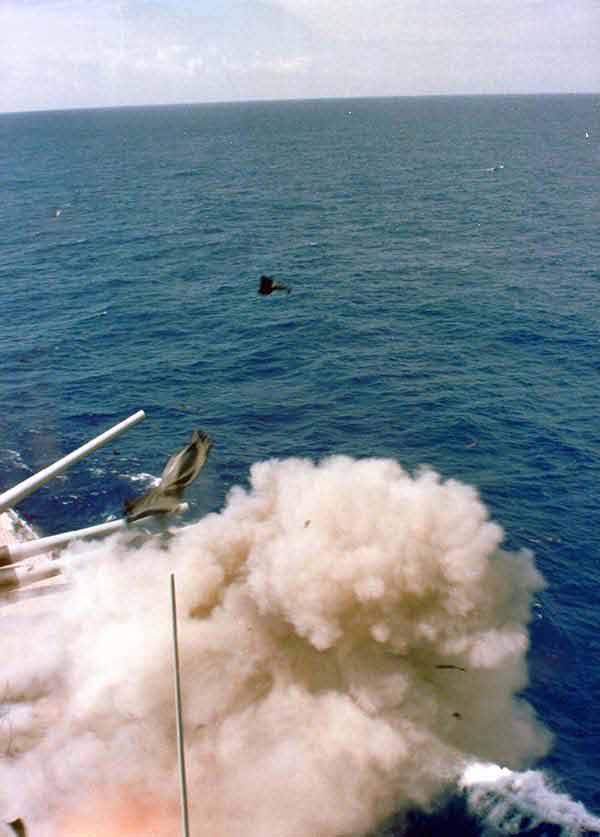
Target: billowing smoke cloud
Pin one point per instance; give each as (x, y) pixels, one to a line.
(351, 637)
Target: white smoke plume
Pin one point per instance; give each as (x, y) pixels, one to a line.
(351, 637)
(509, 803)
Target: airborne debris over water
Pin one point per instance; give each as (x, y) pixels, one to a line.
(180, 471)
(310, 654)
(267, 285)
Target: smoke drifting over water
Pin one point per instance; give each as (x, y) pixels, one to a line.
(351, 638)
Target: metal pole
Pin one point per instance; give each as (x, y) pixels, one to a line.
(180, 751)
(14, 495)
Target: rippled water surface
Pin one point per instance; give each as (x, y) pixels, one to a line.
(444, 261)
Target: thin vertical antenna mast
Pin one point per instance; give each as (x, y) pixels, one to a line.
(185, 827)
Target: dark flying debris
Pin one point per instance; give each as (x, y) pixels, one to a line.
(268, 285)
(18, 826)
(179, 472)
(446, 666)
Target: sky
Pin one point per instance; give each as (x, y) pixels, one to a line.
(57, 54)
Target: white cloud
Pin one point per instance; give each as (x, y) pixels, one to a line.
(66, 53)
(74, 53)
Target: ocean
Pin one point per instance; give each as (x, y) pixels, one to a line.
(444, 263)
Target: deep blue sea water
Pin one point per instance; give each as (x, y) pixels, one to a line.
(444, 259)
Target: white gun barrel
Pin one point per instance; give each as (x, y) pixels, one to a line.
(13, 573)
(14, 495)
(21, 575)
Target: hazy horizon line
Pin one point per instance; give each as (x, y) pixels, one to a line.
(298, 99)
